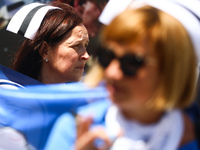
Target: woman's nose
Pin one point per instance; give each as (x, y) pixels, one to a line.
(85, 56)
(113, 71)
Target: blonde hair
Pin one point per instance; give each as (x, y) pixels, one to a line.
(170, 43)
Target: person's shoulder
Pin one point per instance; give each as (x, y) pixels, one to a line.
(13, 78)
(188, 134)
(193, 145)
(188, 141)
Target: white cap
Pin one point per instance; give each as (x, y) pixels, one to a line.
(112, 9)
(28, 19)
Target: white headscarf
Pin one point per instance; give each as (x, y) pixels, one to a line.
(28, 19)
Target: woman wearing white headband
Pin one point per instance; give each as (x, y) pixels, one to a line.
(149, 68)
(55, 51)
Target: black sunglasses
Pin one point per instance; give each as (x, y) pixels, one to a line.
(129, 63)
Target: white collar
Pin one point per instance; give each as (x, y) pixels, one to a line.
(165, 134)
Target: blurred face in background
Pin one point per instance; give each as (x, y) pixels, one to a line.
(90, 10)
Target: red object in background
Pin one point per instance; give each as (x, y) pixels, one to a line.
(90, 10)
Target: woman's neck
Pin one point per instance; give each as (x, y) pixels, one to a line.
(143, 116)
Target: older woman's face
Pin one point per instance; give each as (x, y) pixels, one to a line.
(132, 92)
(67, 59)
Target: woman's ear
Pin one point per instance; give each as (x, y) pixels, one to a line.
(43, 51)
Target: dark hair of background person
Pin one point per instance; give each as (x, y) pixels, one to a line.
(55, 25)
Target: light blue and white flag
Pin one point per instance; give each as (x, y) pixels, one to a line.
(33, 109)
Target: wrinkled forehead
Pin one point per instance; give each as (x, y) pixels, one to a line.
(80, 33)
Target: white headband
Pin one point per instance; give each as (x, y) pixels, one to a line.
(187, 12)
(112, 9)
(27, 20)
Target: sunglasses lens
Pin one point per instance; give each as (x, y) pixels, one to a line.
(130, 64)
(105, 57)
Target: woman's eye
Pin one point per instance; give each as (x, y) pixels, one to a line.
(86, 45)
(80, 45)
(76, 46)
